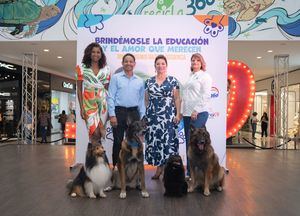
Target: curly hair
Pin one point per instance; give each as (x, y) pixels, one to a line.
(87, 56)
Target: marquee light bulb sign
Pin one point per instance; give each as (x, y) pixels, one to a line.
(70, 131)
(240, 96)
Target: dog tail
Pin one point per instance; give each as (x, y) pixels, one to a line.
(226, 171)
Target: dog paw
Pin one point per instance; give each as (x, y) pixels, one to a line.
(145, 194)
(123, 195)
(190, 190)
(219, 189)
(103, 195)
(206, 193)
(92, 196)
(73, 194)
(109, 188)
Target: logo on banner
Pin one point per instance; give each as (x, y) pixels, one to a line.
(181, 136)
(213, 26)
(213, 115)
(214, 92)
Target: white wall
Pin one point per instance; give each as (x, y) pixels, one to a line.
(294, 78)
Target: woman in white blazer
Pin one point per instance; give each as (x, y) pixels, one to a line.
(195, 97)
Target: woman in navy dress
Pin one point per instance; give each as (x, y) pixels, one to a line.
(162, 116)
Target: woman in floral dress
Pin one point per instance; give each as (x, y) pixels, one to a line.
(162, 116)
(92, 82)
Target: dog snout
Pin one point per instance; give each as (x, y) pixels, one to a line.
(133, 159)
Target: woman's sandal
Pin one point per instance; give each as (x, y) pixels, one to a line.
(156, 175)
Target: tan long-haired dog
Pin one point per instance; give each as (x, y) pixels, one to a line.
(94, 176)
(204, 163)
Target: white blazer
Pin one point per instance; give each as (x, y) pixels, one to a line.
(196, 93)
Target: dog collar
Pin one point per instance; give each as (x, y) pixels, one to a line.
(133, 144)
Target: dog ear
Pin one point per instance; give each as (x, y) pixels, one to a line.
(90, 147)
(129, 121)
(207, 134)
(131, 117)
(192, 128)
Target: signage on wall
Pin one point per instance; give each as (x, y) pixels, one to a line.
(7, 66)
(6, 94)
(273, 86)
(67, 85)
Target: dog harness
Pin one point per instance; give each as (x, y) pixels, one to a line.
(133, 144)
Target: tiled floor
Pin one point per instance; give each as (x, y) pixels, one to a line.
(245, 139)
(33, 182)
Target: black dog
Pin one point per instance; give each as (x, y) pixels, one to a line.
(174, 178)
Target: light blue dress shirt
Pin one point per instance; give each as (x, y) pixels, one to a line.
(126, 92)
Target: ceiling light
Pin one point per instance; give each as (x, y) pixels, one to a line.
(270, 51)
(59, 57)
(258, 57)
(46, 50)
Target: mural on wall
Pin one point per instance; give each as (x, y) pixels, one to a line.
(26, 18)
(57, 19)
(245, 10)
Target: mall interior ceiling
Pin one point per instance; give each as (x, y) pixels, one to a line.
(258, 55)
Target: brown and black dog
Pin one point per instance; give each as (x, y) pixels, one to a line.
(204, 163)
(131, 158)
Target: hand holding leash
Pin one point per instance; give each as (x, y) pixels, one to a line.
(113, 121)
(194, 115)
(177, 119)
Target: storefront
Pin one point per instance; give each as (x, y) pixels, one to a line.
(10, 98)
(264, 101)
(54, 93)
(63, 97)
(294, 106)
(260, 106)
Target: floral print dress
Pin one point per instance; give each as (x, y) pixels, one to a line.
(161, 135)
(94, 95)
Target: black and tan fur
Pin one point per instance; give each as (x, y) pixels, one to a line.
(205, 169)
(131, 159)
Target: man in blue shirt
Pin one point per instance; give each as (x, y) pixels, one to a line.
(125, 101)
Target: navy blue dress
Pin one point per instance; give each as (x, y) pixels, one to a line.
(161, 135)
